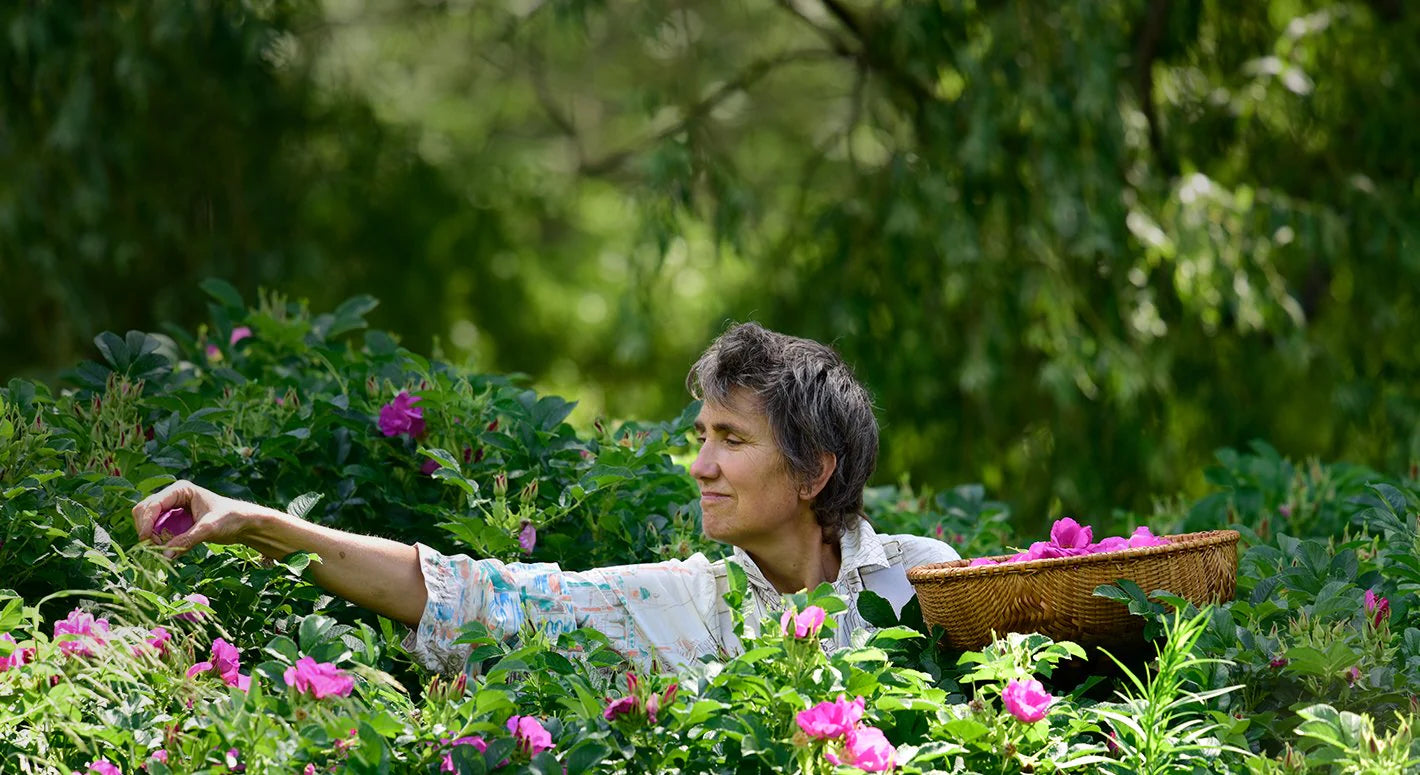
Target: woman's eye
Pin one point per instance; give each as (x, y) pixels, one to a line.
(700, 440)
(732, 442)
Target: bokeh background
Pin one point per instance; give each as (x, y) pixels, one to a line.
(1073, 248)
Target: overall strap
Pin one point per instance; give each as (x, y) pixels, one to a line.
(889, 582)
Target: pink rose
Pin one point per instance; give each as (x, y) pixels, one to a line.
(196, 598)
(104, 767)
(20, 656)
(157, 639)
(806, 623)
(622, 707)
(828, 720)
(1111, 544)
(867, 749)
(448, 764)
(172, 523)
(238, 334)
(401, 416)
(320, 679)
(226, 660)
(1066, 533)
(81, 633)
(1027, 700)
(527, 537)
(429, 466)
(1143, 536)
(1377, 607)
(532, 738)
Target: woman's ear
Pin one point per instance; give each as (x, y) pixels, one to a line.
(828, 462)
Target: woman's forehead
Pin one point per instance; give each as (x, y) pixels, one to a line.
(741, 409)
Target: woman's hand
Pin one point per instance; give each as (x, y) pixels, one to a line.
(216, 518)
(376, 573)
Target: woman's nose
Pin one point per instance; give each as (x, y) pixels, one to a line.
(704, 467)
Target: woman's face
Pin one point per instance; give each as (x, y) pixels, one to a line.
(746, 491)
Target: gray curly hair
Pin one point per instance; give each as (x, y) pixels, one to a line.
(814, 405)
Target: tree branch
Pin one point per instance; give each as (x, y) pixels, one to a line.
(834, 41)
(748, 77)
(920, 93)
(1146, 50)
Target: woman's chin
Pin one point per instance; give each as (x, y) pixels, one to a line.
(715, 532)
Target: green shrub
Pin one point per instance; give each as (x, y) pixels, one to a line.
(289, 414)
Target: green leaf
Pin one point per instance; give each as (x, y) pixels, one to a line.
(894, 634)
(314, 631)
(876, 610)
(297, 562)
(302, 504)
(586, 755)
(114, 350)
(384, 723)
(964, 729)
(756, 655)
(702, 710)
(223, 292)
(865, 655)
(284, 647)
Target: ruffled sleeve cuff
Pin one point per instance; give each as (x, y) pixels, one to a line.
(432, 642)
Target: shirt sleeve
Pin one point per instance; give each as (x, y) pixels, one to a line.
(920, 550)
(655, 614)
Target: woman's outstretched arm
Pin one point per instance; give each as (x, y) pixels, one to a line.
(374, 573)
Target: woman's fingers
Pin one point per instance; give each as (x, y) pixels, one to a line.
(147, 511)
(177, 546)
(181, 493)
(208, 528)
(215, 518)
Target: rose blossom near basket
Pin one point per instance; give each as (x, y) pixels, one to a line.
(1050, 587)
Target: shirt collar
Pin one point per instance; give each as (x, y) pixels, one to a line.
(859, 545)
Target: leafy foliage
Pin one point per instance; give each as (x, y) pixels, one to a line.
(1073, 250)
(1304, 672)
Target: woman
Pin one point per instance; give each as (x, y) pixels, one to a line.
(787, 442)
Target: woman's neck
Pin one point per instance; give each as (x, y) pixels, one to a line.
(797, 559)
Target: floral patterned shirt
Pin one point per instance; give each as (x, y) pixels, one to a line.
(659, 615)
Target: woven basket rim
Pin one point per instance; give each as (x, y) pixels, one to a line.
(957, 569)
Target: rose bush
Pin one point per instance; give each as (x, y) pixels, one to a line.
(113, 658)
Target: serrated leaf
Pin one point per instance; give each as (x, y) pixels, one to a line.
(302, 504)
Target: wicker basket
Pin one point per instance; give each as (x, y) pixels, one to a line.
(1056, 596)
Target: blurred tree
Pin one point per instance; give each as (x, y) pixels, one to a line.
(1073, 249)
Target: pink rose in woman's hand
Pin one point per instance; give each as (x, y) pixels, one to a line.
(173, 523)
